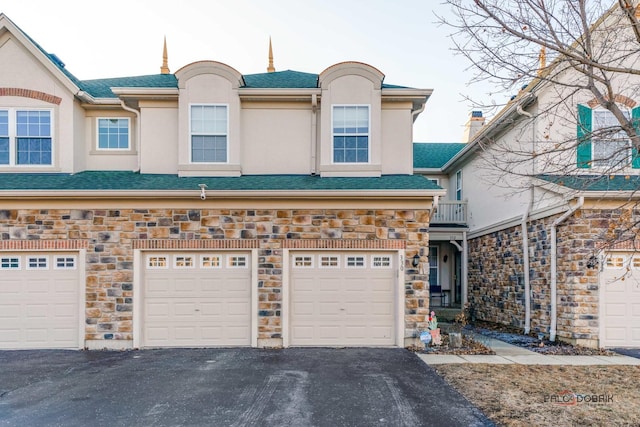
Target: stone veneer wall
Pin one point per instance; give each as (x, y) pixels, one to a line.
(496, 283)
(111, 235)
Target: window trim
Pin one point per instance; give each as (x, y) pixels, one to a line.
(191, 134)
(12, 114)
(458, 185)
(434, 253)
(114, 150)
(596, 163)
(333, 134)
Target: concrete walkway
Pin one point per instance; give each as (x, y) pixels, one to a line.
(506, 353)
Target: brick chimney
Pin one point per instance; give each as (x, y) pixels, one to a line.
(475, 123)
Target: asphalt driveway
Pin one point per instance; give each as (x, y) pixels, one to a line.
(227, 387)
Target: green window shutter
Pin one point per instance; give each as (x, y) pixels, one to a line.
(635, 119)
(584, 137)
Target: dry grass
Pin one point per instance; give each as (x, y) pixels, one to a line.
(519, 395)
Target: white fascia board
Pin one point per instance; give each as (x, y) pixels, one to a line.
(406, 92)
(277, 93)
(145, 92)
(189, 194)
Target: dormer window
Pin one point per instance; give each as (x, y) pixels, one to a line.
(25, 137)
(350, 124)
(113, 133)
(209, 130)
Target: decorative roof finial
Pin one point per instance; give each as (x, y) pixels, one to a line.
(543, 59)
(164, 69)
(270, 68)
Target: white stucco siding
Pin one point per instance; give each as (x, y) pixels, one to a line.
(159, 147)
(276, 140)
(491, 198)
(22, 70)
(397, 144)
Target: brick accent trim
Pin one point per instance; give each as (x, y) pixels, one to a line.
(38, 245)
(343, 244)
(28, 93)
(620, 99)
(627, 245)
(195, 244)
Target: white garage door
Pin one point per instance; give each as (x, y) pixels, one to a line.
(621, 300)
(39, 300)
(197, 300)
(342, 299)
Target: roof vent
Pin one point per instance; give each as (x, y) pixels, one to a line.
(57, 60)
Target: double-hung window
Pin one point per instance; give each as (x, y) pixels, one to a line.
(611, 145)
(113, 133)
(26, 137)
(350, 124)
(601, 141)
(209, 133)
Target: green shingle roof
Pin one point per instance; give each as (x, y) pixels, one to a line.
(101, 88)
(123, 180)
(282, 79)
(595, 182)
(434, 155)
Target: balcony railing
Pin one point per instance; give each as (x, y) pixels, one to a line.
(450, 212)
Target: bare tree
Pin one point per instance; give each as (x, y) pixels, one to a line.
(557, 54)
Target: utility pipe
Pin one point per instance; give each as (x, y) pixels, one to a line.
(554, 267)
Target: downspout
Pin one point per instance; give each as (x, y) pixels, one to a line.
(434, 206)
(139, 131)
(314, 133)
(525, 267)
(525, 237)
(554, 267)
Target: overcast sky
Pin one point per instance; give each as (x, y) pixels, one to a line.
(124, 38)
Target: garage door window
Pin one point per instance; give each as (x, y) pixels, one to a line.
(381, 261)
(615, 262)
(37, 263)
(330, 262)
(636, 262)
(181, 261)
(154, 262)
(303, 261)
(356, 261)
(10, 263)
(211, 261)
(65, 263)
(237, 261)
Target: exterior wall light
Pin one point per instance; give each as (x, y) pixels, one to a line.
(416, 260)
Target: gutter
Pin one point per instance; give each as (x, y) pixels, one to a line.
(554, 267)
(229, 194)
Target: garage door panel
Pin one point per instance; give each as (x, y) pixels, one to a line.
(200, 306)
(334, 305)
(621, 295)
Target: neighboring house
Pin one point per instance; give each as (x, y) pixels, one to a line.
(208, 207)
(550, 250)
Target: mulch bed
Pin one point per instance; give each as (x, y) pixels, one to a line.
(469, 347)
(530, 342)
